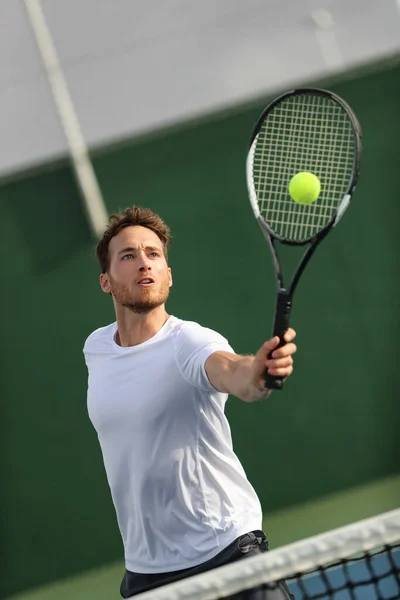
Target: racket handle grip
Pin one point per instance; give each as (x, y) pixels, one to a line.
(281, 325)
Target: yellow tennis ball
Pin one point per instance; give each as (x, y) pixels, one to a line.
(304, 187)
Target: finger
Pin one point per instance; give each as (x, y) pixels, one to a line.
(286, 350)
(284, 362)
(281, 372)
(289, 335)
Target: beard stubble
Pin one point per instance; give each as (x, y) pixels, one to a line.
(149, 299)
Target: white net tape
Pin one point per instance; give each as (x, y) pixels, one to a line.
(298, 557)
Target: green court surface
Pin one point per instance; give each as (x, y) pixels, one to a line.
(282, 527)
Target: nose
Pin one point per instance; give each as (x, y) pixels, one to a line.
(145, 264)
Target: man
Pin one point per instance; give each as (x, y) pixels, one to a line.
(156, 395)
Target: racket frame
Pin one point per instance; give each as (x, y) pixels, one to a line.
(284, 298)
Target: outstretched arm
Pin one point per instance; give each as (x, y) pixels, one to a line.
(243, 376)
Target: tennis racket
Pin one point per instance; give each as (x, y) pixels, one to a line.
(301, 130)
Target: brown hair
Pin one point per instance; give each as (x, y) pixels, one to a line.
(135, 215)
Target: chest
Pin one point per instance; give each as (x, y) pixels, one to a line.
(136, 391)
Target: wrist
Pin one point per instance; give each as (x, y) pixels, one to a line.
(259, 393)
(248, 387)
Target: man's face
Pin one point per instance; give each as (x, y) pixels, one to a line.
(138, 276)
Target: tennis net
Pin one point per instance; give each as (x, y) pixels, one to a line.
(360, 561)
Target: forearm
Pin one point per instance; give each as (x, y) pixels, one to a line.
(243, 376)
(234, 374)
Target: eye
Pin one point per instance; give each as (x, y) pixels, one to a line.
(154, 254)
(125, 256)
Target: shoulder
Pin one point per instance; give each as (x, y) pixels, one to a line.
(189, 332)
(190, 338)
(100, 338)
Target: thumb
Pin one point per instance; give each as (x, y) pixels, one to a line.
(271, 344)
(268, 347)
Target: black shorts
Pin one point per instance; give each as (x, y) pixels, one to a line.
(246, 545)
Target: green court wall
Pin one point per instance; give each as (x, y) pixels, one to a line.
(336, 424)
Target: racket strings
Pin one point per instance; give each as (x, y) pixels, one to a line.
(303, 133)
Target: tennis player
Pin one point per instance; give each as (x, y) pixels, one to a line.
(157, 389)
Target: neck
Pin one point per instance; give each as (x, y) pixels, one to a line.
(134, 328)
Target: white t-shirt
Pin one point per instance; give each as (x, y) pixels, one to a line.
(179, 491)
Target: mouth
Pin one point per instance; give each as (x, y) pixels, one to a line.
(146, 282)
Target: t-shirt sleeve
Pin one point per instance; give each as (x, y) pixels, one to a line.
(193, 345)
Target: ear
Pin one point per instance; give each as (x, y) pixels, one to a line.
(170, 277)
(105, 283)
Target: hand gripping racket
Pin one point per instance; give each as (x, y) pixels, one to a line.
(308, 130)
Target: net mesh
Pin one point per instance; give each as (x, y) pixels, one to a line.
(356, 562)
(372, 575)
(305, 132)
